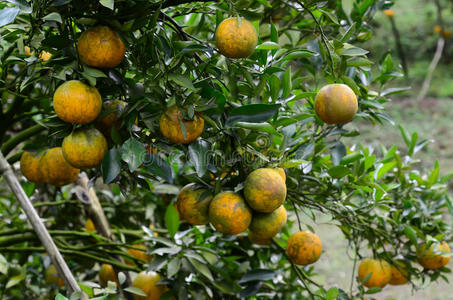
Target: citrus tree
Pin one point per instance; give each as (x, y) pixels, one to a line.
(209, 131)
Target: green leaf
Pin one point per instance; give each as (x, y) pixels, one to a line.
(384, 168)
(3, 265)
(265, 3)
(411, 234)
(93, 72)
(332, 294)
(354, 51)
(287, 83)
(339, 171)
(60, 297)
(268, 46)
(338, 152)
(14, 280)
(111, 165)
(199, 155)
(330, 15)
(159, 167)
(182, 80)
(8, 15)
(299, 54)
(261, 127)
(257, 275)
(172, 220)
(135, 291)
(108, 3)
(133, 153)
(173, 267)
(201, 268)
(274, 33)
(53, 17)
(274, 84)
(252, 113)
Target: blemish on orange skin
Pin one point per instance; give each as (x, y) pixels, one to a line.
(76, 102)
(381, 272)
(84, 148)
(55, 169)
(170, 126)
(336, 104)
(236, 41)
(265, 190)
(100, 47)
(304, 248)
(229, 213)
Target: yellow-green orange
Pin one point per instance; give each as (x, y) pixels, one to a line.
(229, 213)
(29, 166)
(193, 204)
(51, 276)
(147, 282)
(106, 274)
(380, 271)
(431, 257)
(282, 173)
(84, 148)
(265, 226)
(100, 47)
(76, 102)
(304, 248)
(400, 275)
(265, 190)
(170, 126)
(336, 104)
(236, 40)
(55, 169)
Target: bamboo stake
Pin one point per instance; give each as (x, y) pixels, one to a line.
(40, 229)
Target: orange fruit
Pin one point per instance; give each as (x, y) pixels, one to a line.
(236, 40)
(431, 258)
(229, 213)
(76, 102)
(170, 126)
(113, 119)
(106, 274)
(389, 13)
(304, 248)
(147, 282)
(44, 55)
(381, 272)
(29, 166)
(282, 173)
(139, 251)
(55, 169)
(89, 225)
(265, 190)
(193, 204)
(265, 226)
(84, 148)
(446, 34)
(336, 104)
(400, 275)
(438, 29)
(51, 276)
(100, 47)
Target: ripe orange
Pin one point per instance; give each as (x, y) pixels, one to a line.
(380, 270)
(400, 275)
(100, 47)
(229, 213)
(304, 248)
(139, 251)
(84, 148)
(147, 282)
(446, 34)
(389, 13)
(336, 104)
(29, 166)
(76, 102)
(89, 225)
(193, 204)
(282, 173)
(265, 226)
(112, 119)
(236, 41)
(106, 274)
(55, 169)
(51, 276)
(431, 258)
(170, 126)
(265, 190)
